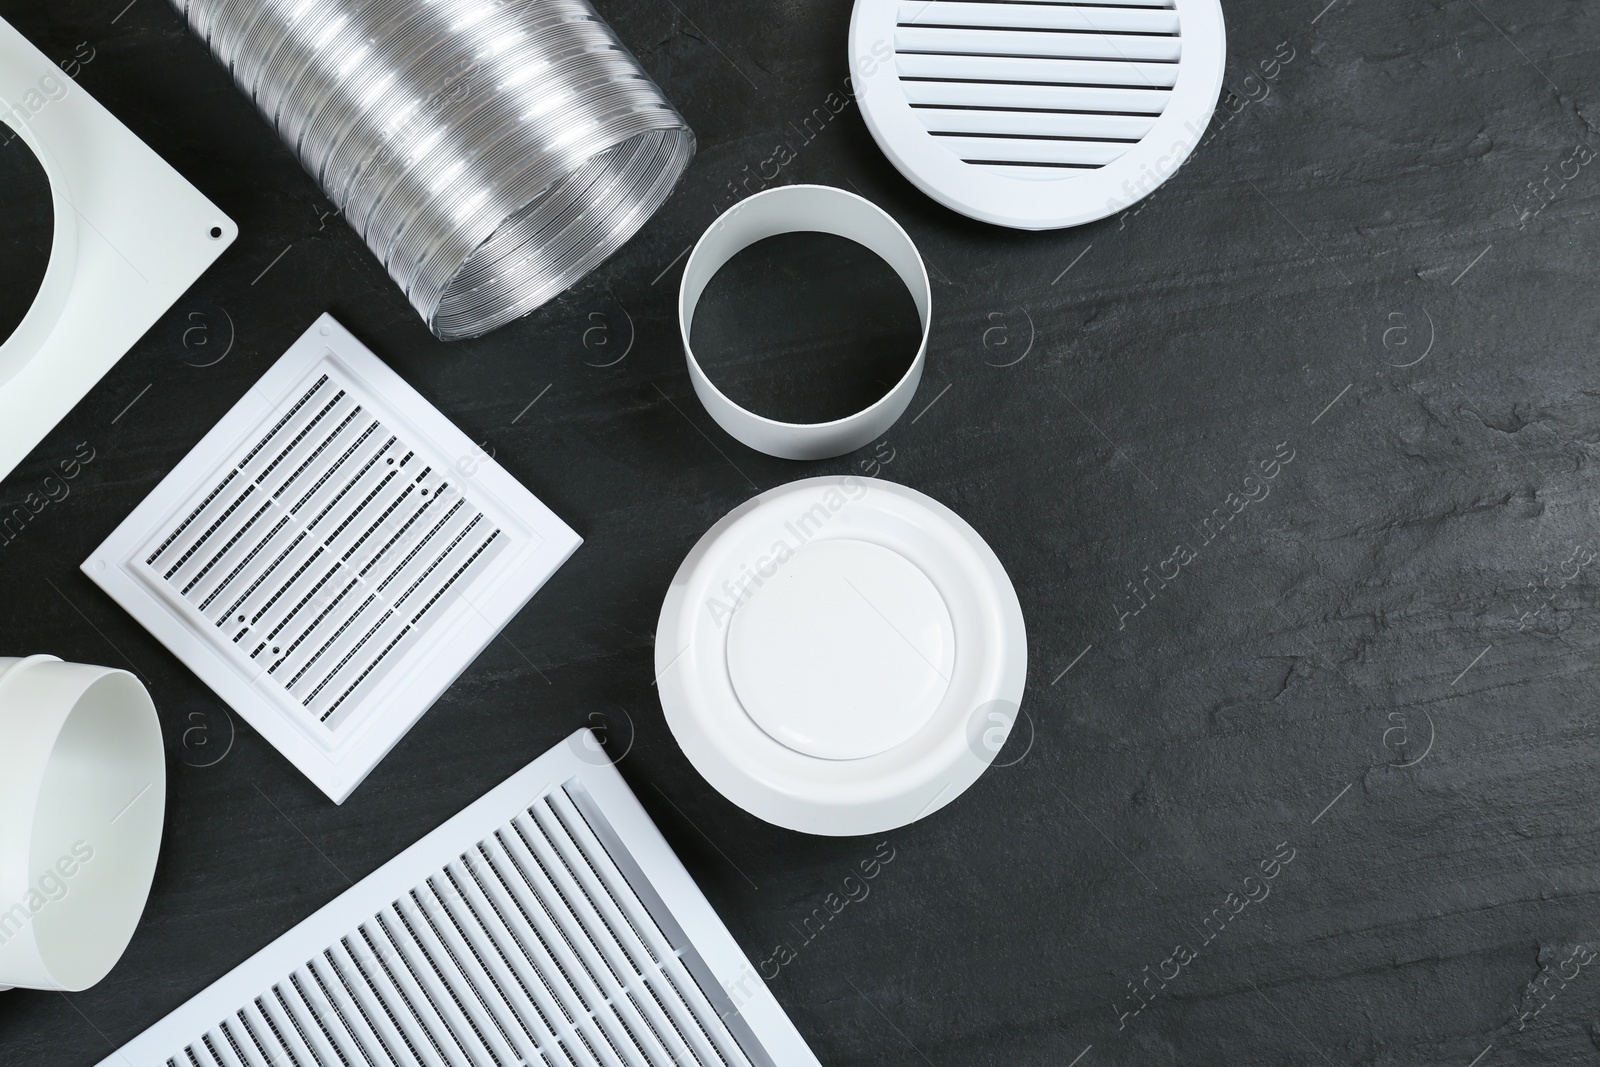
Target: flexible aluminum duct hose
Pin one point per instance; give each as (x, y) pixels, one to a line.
(490, 152)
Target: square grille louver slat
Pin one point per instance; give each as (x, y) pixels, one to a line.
(547, 924)
(331, 556)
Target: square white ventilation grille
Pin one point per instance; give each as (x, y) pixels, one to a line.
(549, 923)
(331, 556)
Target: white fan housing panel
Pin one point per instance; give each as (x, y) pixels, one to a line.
(331, 556)
(1035, 114)
(548, 924)
(131, 235)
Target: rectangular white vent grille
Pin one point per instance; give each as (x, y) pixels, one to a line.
(332, 538)
(547, 924)
(530, 944)
(1035, 89)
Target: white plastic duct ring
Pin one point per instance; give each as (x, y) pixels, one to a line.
(82, 798)
(841, 656)
(1037, 115)
(791, 209)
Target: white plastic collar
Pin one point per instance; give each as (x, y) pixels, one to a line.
(790, 209)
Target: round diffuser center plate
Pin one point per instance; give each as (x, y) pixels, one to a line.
(841, 655)
(1037, 115)
(845, 652)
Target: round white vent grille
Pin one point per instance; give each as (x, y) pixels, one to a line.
(1037, 114)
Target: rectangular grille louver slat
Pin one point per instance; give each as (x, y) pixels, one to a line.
(388, 975)
(429, 1005)
(527, 1021)
(285, 1032)
(250, 1035)
(554, 831)
(333, 1038)
(220, 1045)
(226, 1048)
(556, 964)
(204, 1054)
(200, 1057)
(396, 1046)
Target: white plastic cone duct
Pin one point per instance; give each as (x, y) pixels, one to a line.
(83, 787)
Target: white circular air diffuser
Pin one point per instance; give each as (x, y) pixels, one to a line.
(841, 655)
(1037, 115)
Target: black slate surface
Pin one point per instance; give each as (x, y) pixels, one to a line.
(1374, 683)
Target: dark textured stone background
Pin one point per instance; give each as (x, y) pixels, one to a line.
(1404, 628)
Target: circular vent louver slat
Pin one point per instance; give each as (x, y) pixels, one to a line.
(1035, 114)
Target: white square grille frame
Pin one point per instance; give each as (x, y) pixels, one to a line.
(331, 556)
(568, 908)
